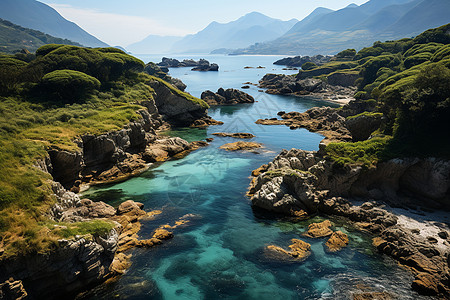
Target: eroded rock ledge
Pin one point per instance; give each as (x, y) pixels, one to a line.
(301, 182)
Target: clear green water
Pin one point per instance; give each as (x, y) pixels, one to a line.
(220, 253)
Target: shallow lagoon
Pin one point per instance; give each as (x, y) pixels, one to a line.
(220, 253)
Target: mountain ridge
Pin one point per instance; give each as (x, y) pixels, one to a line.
(39, 16)
(356, 27)
(244, 31)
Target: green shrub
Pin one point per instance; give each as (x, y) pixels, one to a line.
(422, 48)
(365, 154)
(349, 53)
(68, 86)
(442, 53)
(308, 66)
(417, 59)
(369, 51)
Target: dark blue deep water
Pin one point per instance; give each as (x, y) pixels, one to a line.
(221, 253)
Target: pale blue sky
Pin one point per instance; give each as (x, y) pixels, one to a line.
(124, 22)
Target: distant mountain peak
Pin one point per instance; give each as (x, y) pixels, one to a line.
(254, 27)
(352, 5)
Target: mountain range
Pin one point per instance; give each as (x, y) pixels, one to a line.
(327, 32)
(249, 29)
(39, 16)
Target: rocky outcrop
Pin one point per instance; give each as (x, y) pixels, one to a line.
(240, 146)
(299, 250)
(201, 65)
(177, 109)
(337, 241)
(362, 126)
(316, 230)
(154, 70)
(342, 79)
(239, 135)
(324, 120)
(303, 182)
(280, 84)
(226, 97)
(12, 290)
(73, 266)
(298, 61)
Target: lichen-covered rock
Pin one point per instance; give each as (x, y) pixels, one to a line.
(299, 249)
(337, 241)
(322, 229)
(237, 146)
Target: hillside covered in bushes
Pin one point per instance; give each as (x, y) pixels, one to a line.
(408, 82)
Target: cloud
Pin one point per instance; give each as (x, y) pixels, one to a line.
(115, 29)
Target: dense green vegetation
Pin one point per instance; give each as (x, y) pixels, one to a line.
(409, 79)
(46, 101)
(14, 38)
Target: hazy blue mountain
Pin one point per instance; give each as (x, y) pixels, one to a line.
(154, 44)
(427, 14)
(251, 28)
(356, 27)
(316, 14)
(39, 16)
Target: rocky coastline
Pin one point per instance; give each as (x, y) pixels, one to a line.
(302, 183)
(78, 263)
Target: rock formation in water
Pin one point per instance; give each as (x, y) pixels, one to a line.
(226, 97)
(238, 146)
(335, 89)
(200, 65)
(239, 135)
(298, 61)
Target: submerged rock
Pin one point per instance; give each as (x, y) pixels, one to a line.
(240, 146)
(299, 249)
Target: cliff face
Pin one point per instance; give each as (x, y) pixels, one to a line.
(114, 155)
(75, 264)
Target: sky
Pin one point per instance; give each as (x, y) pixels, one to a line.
(119, 22)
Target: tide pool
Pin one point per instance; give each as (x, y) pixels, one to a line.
(221, 253)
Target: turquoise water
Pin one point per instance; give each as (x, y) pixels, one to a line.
(221, 253)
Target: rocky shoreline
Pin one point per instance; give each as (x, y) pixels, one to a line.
(83, 261)
(304, 183)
